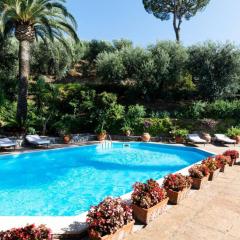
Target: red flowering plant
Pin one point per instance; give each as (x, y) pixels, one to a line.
(177, 182)
(222, 160)
(234, 154)
(147, 195)
(198, 171)
(107, 217)
(30, 232)
(211, 163)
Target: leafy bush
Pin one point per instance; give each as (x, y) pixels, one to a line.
(147, 195)
(110, 67)
(233, 132)
(197, 110)
(178, 132)
(109, 216)
(216, 66)
(198, 171)
(158, 126)
(176, 182)
(30, 232)
(133, 117)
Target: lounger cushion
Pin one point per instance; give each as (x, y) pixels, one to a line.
(36, 140)
(196, 139)
(6, 142)
(224, 138)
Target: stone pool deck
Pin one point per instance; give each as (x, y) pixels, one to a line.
(212, 213)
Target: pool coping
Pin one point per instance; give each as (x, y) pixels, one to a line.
(73, 224)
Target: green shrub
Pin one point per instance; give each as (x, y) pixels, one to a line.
(178, 132)
(158, 126)
(197, 110)
(233, 132)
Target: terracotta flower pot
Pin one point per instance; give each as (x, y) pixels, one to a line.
(101, 136)
(199, 183)
(120, 234)
(177, 197)
(179, 139)
(66, 139)
(213, 174)
(146, 137)
(147, 215)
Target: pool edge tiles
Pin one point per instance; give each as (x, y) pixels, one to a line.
(61, 225)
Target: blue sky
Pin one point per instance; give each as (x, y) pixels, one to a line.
(115, 19)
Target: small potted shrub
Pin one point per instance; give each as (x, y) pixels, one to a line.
(177, 187)
(199, 174)
(149, 200)
(223, 161)
(213, 167)
(27, 233)
(234, 133)
(111, 219)
(234, 154)
(180, 135)
(126, 130)
(101, 135)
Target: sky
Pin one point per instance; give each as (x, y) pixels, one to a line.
(116, 19)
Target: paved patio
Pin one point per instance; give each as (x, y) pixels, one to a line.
(211, 213)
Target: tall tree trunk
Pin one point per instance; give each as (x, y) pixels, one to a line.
(176, 26)
(24, 71)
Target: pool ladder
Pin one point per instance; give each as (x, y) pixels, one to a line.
(107, 144)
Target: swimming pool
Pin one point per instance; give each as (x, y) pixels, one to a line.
(66, 182)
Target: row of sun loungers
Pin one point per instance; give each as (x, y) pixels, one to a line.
(34, 140)
(222, 138)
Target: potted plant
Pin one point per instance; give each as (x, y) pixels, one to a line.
(223, 161)
(146, 137)
(234, 154)
(126, 130)
(177, 187)
(213, 167)
(28, 232)
(234, 132)
(111, 219)
(180, 135)
(101, 135)
(149, 200)
(199, 174)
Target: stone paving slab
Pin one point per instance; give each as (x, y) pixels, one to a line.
(211, 213)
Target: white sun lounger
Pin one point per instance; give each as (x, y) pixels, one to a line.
(37, 140)
(224, 139)
(196, 139)
(6, 143)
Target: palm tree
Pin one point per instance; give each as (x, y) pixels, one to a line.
(30, 20)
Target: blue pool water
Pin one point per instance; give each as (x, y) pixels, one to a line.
(67, 182)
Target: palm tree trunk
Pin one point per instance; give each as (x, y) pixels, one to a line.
(24, 71)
